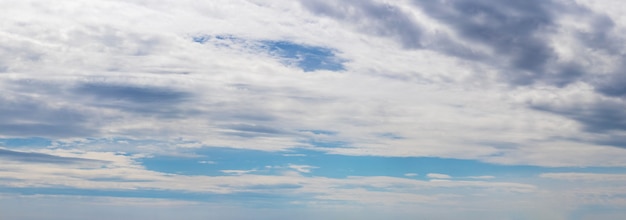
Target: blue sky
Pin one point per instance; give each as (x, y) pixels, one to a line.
(313, 109)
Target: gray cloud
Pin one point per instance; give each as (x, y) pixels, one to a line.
(133, 94)
(252, 130)
(35, 108)
(29, 117)
(255, 129)
(519, 34)
(45, 130)
(596, 117)
(516, 31)
(371, 17)
(31, 157)
(612, 85)
(512, 29)
(135, 99)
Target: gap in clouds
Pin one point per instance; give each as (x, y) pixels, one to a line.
(230, 161)
(306, 57)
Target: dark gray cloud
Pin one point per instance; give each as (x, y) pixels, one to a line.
(513, 29)
(371, 17)
(516, 31)
(31, 157)
(27, 117)
(133, 94)
(253, 130)
(613, 85)
(519, 35)
(596, 117)
(45, 130)
(135, 99)
(599, 37)
(612, 140)
(34, 108)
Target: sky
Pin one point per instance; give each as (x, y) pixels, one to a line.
(313, 109)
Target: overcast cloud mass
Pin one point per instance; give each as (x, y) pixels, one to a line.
(313, 109)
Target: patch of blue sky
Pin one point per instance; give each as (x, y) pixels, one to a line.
(220, 159)
(342, 166)
(320, 132)
(25, 142)
(218, 40)
(206, 38)
(201, 38)
(306, 57)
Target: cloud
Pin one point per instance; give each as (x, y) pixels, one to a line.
(32, 157)
(592, 177)
(438, 176)
(24, 116)
(596, 116)
(512, 30)
(238, 172)
(132, 94)
(302, 168)
(245, 130)
(495, 83)
(372, 17)
(521, 40)
(235, 93)
(529, 46)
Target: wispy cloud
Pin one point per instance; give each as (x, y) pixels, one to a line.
(33, 157)
(438, 176)
(302, 168)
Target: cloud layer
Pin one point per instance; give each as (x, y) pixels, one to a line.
(533, 87)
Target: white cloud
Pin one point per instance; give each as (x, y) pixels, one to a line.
(302, 168)
(438, 176)
(237, 172)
